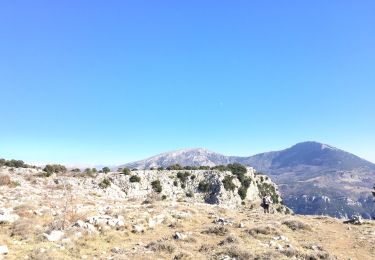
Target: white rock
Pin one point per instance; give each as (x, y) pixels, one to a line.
(4, 250)
(55, 235)
(138, 229)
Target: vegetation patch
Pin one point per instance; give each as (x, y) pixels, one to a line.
(125, 171)
(183, 176)
(268, 189)
(262, 230)
(156, 186)
(296, 225)
(53, 168)
(217, 230)
(134, 178)
(203, 186)
(228, 183)
(105, 183)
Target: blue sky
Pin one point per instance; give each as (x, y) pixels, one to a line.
(114, 81)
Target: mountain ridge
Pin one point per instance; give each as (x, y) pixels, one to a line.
(308, 173)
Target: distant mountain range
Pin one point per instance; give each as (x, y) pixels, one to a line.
(314, 178)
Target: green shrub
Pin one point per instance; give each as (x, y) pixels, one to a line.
(175, 167)
(203, 186)
(238, 170)
(268, 189)
(125, 171)
(204, 167)
(156, 186)
(106, 170)
(160, 169)
(228, 183)
(189, 194)
(175, 183)
(76, 170)
(192, 177)
(105, 183)
(190, 168)
(54, 168)
(182, 176)
(164, 197)
(221, 168)
(242, 191)
(134, 178)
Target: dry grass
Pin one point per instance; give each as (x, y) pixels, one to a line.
(161, 246)
(216, 230)
(262, 230)
(5, 180)
(296, 225)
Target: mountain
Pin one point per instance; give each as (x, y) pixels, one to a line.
(191, 157)
(314, 178)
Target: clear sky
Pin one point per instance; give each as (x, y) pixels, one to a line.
(110, 82)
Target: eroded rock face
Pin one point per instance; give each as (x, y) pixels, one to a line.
(187, 185)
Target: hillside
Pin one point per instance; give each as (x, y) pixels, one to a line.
(314, 178)
(75, 216)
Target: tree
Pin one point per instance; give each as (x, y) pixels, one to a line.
(134, 178)
(106, 170)
(126, 171)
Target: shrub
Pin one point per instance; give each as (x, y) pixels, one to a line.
(175, 183)
(189, 194)
(175, 167)
(5, 180)
(238, 170)
(192, 177)
(161, 246)
(268, 189)
(156, 186)
(228, 183)
(164, 197)
(203, 186)
(54, 168)
(15, 164)
(76, 170)
(160, 168)
(204, 167)
(182, 176)
(191, 168)
(134, 178)
(263, 230)
(106, 170)
(125, 171)
(242, 191)
(217, 230)
(221, 168)
(296, 225)
(105, 183)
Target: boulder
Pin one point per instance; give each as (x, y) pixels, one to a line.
(55, 235)
(4, 250)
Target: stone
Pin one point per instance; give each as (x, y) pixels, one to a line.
(138, 229)
(55, 235)
(179, 236)
(4, 250)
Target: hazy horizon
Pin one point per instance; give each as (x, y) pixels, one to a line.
(110, 83)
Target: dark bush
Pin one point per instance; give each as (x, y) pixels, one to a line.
(156, 186)
(242, 191)
(164, 197)
(134, 178)
(189, 194)
(175, 183)
(105, 183)
(204, 167)
(228, 183)
(125, 171)
(106, 170)
(175, 167)
(203, 186)
(160, 169)
(76, 170)
(182, 176)
(54, 168)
